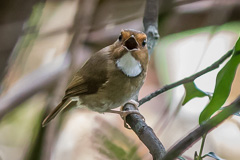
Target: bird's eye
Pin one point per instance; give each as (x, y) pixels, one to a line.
(120, 37)
(144, 43)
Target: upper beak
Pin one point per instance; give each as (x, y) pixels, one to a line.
(131, 44)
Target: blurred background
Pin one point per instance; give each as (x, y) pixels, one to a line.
(43, 42)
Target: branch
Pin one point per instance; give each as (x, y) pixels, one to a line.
(150, 22)
(32, 83)
(142, 130)
(190, 139)
(145, 134)
(187, 79)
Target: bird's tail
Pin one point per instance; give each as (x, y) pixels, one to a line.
(53, 114)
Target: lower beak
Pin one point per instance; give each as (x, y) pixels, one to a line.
(131, 44)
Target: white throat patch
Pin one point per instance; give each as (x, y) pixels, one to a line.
(129, 65)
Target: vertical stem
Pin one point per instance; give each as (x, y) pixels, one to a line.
(202, 145)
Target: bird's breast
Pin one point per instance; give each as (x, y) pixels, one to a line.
(119, 89)
(129, 65)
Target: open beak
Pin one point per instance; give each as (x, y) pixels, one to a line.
(131, 44)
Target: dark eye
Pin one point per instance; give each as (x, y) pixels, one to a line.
(144, 43)
(120, 38)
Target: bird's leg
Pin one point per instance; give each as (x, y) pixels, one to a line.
(135, 104)
(124, 114)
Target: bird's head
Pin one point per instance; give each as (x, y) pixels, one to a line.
(130, 50)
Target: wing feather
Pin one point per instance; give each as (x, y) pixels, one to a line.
(90, 77)
(87, 80)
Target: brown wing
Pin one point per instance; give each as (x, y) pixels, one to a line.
(86, 81)
(90, 77)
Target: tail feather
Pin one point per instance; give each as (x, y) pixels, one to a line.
(54, 113)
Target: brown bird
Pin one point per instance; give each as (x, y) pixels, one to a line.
(110, 78)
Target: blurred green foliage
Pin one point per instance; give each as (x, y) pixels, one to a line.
(114, 144)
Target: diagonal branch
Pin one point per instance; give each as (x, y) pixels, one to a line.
(187, 79)
(191, 138)
(145, 134)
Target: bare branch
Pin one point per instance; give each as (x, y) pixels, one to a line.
(191, 138)
(142, 130)
(145, 134)
(187, 79)
(150, 22)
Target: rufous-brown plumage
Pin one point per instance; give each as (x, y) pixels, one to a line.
(110, 78)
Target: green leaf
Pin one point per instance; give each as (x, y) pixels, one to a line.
(192, 91)
(223, 85)
(237, 46)
(213, 155)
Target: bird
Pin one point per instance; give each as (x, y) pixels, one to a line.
(110, 78)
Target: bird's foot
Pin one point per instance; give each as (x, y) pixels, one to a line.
(133, 102)
(124, 114)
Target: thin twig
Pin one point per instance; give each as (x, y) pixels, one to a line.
(192, 138)
(187, 79)
(202, 145)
